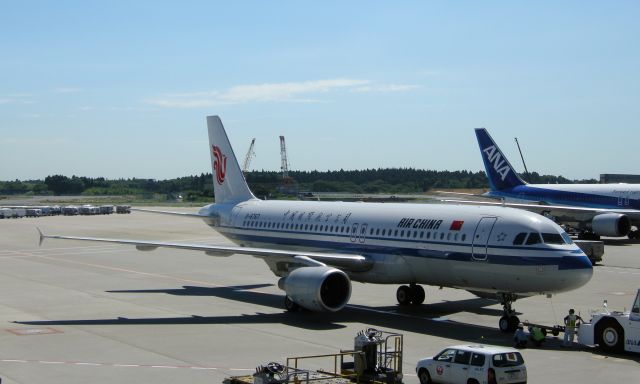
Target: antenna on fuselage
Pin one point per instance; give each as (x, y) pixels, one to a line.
(525, 164)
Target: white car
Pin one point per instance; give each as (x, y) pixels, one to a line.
(473, 364)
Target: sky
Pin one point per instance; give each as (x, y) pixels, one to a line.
(122, 89)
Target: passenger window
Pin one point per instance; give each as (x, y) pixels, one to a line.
(428, 235)
(534, 238)
(519, 238)
(446, 355)
(442, 236)
(464, 236)
(477, 360)
(421, 235)
(395, 233)
(462, 357)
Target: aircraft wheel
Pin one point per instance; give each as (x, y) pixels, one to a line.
(290, 305)
(418, 295)
(503, 324)
(403, 295)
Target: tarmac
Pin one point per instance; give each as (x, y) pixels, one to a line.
(81, 312)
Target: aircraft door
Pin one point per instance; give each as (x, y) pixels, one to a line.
(623, 198)
(354, 232)
(363, 232)
(481, 237)
(358, 232)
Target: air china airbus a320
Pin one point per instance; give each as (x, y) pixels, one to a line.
(318, 248)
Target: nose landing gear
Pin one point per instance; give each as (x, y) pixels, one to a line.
(509, 321)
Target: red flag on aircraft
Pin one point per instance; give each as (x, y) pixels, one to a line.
(456, 225)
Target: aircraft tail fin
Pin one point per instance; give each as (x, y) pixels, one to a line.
(229, 184)
(499, 171)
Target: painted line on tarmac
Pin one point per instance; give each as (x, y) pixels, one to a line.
(121, 365)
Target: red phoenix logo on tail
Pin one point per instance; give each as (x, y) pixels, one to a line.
(219, 164)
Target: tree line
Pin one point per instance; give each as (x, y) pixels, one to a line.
(270, 183)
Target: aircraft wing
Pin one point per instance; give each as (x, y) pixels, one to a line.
(460, 193)
(184, 214)
(562, 213)
(349, 262)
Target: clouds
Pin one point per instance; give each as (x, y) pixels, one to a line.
(21, 98)
(305, 91)
(35, 96)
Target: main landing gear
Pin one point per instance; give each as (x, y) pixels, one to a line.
(411, 294)
(509, 321)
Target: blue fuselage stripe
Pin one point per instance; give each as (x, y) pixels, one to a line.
(558, 197)
(572, 259)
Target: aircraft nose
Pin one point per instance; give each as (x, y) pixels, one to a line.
(577, 270)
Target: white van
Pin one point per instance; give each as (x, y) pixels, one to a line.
(475, 364)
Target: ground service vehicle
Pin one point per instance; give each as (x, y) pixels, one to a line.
(613, 331)
(473, 364)
(376, 358)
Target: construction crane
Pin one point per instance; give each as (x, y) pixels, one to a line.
(284, 165)
(250, 155)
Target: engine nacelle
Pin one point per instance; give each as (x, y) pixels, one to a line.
(317, 289)
(611, 224)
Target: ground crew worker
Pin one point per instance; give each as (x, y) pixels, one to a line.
(520, 337)
(570, 322)
(537, 336)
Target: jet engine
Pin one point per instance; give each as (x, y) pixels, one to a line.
(611, 224)
(317, 289)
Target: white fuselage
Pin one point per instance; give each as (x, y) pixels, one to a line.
(605, 196)
(468, 247)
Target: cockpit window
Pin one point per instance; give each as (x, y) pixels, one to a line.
(552, 238)
(519, 238)
(534, 238)
(566, 237)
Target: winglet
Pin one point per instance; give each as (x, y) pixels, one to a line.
(42, 236)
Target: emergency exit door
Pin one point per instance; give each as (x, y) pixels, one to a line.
(481, 237)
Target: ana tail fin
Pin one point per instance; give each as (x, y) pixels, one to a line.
(499, 171)
(229, 184)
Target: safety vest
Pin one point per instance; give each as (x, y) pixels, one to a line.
(571, 323)
(537, 333)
